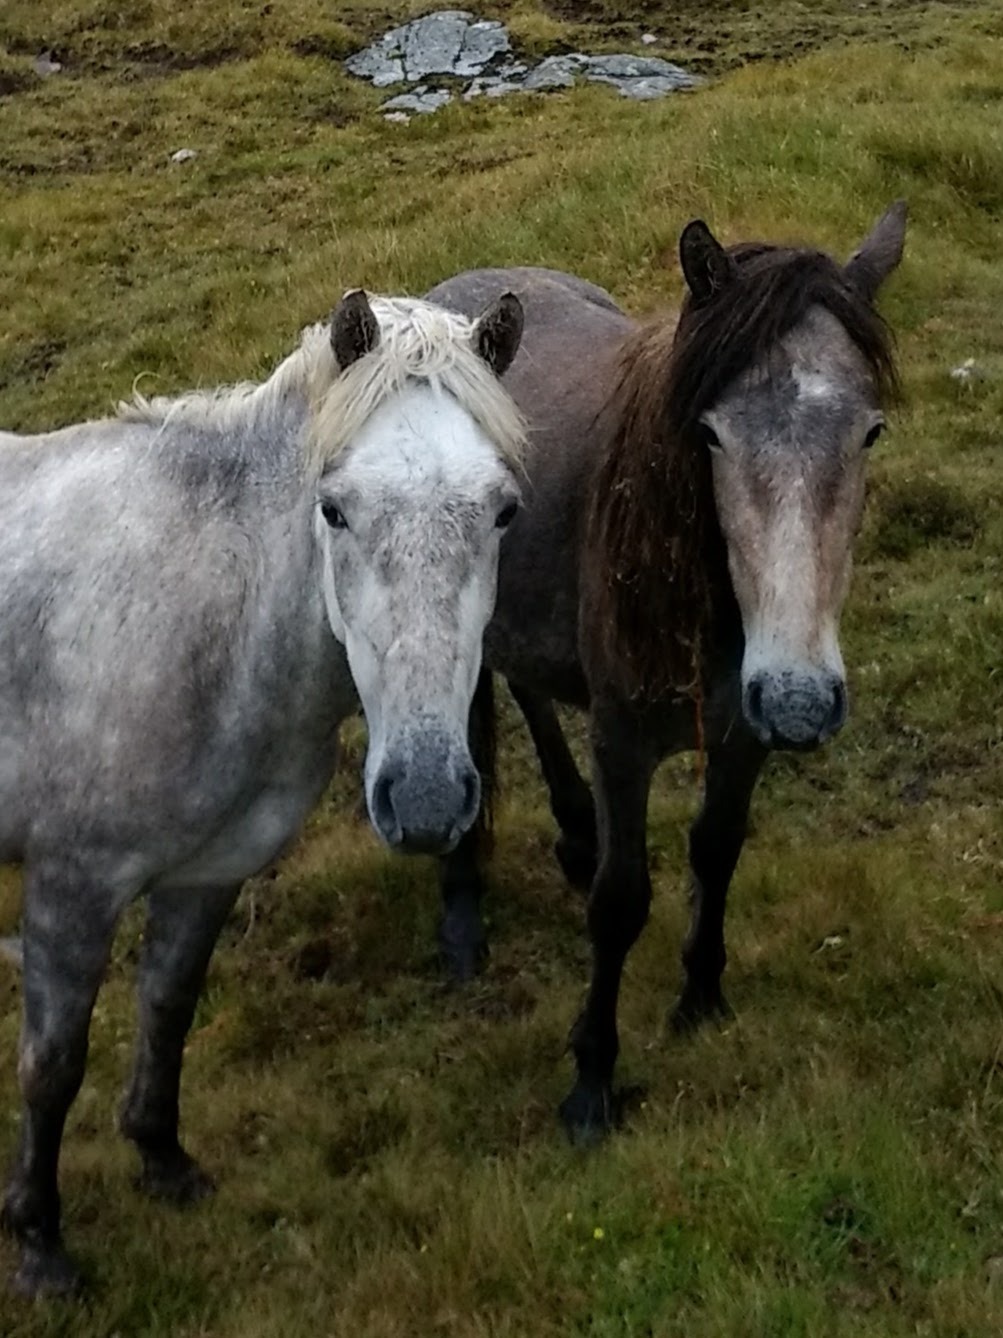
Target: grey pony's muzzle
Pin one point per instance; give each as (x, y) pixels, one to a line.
(425, 795)
(794, 710)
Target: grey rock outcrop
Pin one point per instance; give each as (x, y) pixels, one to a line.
(452, 43)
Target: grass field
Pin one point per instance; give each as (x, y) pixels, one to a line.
(387, 1152)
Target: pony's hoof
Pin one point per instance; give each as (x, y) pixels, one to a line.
(578, 861)
(176, 1179)
(696, 1007)
(587, 1114)
(46, 1271)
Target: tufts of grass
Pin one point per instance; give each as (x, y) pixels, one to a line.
(913, 513)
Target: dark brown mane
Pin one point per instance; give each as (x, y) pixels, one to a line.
(654, 549)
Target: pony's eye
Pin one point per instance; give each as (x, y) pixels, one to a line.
(873, 435)
(506, 516)
(333, 516)
(708, 437)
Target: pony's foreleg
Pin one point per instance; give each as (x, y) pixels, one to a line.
(617, 911)
(181, 932)
(462, 939)
(68, 926)
(716, 840)
(570, 796)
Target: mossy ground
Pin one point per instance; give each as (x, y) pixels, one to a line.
(388, 1157)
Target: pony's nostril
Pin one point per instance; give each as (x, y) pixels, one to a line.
(754, 706)
(837, 712)
(471, 793)
(754, 701)
(384, 813)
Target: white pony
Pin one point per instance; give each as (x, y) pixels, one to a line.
(170, 689)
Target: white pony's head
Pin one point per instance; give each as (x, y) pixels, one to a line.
(416, 447)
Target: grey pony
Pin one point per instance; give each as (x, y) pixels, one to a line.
(171, 690)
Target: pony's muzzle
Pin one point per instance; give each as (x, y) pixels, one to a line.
(793, 710)
(422, 809)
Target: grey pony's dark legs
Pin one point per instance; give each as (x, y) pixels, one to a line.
(617, 911)
(716, 840)
(68, 923)
(461, 932)
(570, 797)
(181, 931)
(462, 938)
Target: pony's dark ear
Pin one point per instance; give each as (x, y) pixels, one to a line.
(497, 332)
(707, 266)
(878, 255)
(354, 329)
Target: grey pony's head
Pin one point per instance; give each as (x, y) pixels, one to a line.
(411, 511)
(788, 428)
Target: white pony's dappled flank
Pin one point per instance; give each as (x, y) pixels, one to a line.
(418, 341)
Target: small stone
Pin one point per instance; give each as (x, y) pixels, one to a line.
(968, 373)
(491, 86)
(45, 65)
(399, 117)
(637, 67)
(643, 90)
(649, 39)
(423, 100)
(184, 156)
(554, 72)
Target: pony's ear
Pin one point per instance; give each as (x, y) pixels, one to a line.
(879, 253)
(707, 266)
(355, 331)
(497, 332)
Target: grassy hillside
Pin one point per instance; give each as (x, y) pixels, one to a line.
(388, 1156)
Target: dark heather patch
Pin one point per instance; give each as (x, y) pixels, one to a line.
(30, 362)
(908, 516)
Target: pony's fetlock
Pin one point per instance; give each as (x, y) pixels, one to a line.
(46, 1270)
(173, 1177)
(698, 1005)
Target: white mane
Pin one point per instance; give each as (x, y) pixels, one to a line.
(418, 341)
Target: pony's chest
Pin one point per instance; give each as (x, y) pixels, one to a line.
(255, 835)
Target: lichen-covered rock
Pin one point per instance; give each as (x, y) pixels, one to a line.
(553, 72)
(452, 43)
(638, 76)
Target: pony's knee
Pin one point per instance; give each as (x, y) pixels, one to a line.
(618, 907)
(50, 1068)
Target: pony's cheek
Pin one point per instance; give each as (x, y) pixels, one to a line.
(332, 604)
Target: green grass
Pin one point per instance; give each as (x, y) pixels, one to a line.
(388, 1157)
